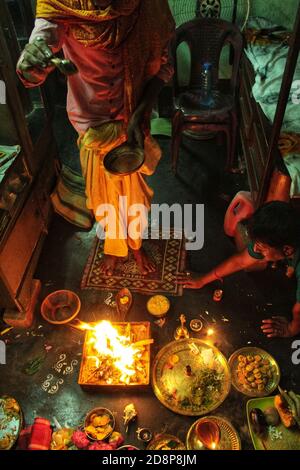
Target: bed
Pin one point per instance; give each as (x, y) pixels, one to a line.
(265, 56)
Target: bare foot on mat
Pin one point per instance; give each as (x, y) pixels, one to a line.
(108, 264)
(143, 261)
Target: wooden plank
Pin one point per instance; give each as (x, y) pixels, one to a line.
(281, 107)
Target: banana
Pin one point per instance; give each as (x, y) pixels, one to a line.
(296, 400)
(296, 408)
(288, 400)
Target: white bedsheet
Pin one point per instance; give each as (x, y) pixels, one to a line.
(269, 63)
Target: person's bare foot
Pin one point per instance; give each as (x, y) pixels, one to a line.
(143, 261)
(108, 264)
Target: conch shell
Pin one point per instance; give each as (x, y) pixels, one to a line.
(130, 414)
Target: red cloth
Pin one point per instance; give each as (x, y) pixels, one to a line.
(40, 438)
(24, 438)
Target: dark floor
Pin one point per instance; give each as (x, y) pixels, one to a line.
(248, 298)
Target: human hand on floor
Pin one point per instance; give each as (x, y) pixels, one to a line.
(189, 282)
(34, 61)
(278, 327)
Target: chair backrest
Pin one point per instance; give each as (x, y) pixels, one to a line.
(206, 38)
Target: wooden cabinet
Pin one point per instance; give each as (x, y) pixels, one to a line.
(25, 187)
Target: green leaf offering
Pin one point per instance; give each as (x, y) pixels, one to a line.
(33, 366)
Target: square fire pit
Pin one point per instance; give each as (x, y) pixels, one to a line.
(116, 354)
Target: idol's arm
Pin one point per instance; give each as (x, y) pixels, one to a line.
(45, 40)
(149, 98)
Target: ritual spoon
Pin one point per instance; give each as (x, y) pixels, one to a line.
(123, 303)
(65, 66)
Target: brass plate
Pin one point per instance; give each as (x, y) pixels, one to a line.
(161, 442)
(229, 439)
(11, 422)
(124, 160)
(128, 447)
(272, 383)
(189, 394)
(289, 437)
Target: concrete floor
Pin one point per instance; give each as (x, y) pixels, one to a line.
(248, 298)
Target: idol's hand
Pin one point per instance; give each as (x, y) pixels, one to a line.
(35, 60)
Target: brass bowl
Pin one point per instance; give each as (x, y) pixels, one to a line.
(124, 160)
(158, 305)
(60, 307)
(196, 325)
(272, 382)
(99, 412)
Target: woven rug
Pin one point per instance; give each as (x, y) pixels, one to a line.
(168, 256)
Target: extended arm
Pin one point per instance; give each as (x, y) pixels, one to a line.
(232, 265)
(150, 95)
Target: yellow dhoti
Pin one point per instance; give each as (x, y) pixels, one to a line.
(103, 188)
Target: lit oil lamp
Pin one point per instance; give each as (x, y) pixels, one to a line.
(208, 433)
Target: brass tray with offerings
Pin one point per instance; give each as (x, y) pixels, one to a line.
(11, 422)
(190, 377)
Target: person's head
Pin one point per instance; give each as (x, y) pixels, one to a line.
(275, 230)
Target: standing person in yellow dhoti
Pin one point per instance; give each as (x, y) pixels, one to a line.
(120, 48)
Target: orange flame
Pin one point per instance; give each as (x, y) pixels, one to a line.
(108, 343)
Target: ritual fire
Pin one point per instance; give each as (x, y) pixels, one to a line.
(115, 354)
